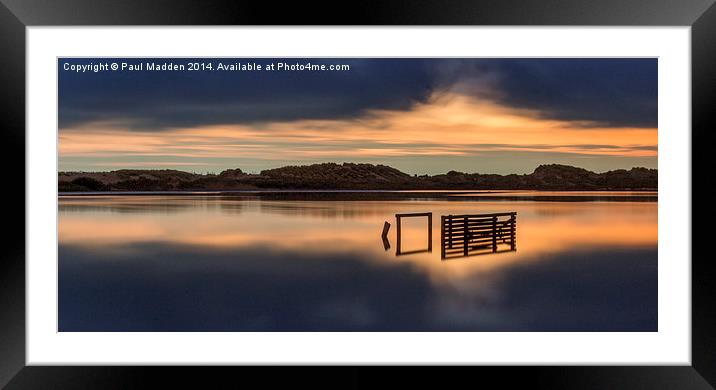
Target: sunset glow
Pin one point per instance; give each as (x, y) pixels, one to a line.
(467, 123)
(570, 226)
(449, 126)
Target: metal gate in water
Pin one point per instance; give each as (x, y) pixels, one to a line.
(474, 234)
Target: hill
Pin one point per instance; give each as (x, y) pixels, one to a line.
(357, 177)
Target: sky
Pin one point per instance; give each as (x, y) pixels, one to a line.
(420, 115)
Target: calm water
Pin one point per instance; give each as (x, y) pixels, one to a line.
(246, 263)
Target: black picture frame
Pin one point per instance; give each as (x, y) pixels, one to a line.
(16, 15)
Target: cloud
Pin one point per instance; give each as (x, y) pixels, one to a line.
(602, 92)
(448, 125)
(452, 132)
(151, 100)
(609, 92)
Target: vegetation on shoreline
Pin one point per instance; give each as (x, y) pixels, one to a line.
(351, 176)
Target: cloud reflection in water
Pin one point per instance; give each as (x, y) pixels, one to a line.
(251, 265)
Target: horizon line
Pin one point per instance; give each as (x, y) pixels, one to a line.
(343, 163)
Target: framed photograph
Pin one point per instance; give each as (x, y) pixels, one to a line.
(433, 184)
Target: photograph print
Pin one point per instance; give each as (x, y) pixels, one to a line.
(357, 194)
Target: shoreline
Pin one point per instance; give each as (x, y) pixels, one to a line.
(396, 195)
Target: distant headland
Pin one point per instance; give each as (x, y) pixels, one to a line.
(351, 176)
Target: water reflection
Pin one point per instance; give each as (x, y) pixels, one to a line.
(178, 288)
(231, 264)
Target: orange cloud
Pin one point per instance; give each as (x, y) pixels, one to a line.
(449, 125)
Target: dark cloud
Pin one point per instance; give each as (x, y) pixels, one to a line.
(610, 92)
(169, 99)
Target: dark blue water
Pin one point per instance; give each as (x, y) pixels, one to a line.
(195, 265)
